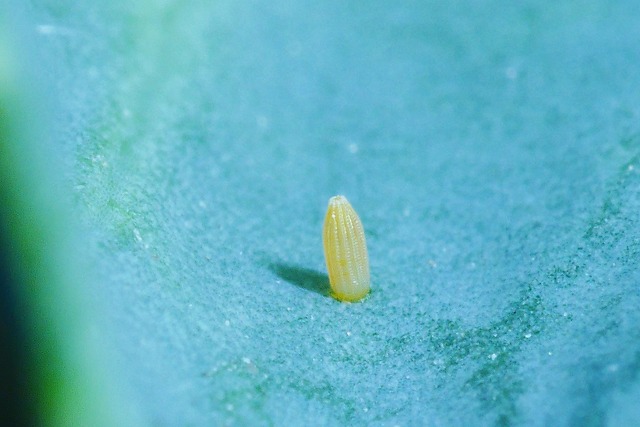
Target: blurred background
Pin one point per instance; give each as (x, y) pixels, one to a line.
(164, 172)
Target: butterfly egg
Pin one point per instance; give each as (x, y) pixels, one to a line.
(345, 251)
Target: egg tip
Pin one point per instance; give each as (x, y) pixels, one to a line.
(337, 200)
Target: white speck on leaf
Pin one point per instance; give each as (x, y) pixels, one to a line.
(262, 122)
(511, 73)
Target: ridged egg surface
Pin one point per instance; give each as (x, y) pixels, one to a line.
(345, 251)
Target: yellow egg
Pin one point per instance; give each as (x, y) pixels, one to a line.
(345, 251)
